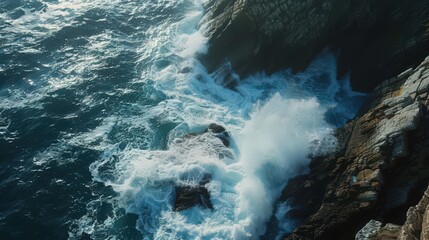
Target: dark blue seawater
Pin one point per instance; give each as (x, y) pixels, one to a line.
(64, 67)
(93, 94)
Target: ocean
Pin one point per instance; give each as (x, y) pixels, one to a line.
(97, 98)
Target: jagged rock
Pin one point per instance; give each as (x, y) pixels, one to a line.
(190, 196)
(389, 232)
(381, 168)
(415, 227)
(370, 231)
(377, 39)
(221, 133)
(215, 128)
(374, 230)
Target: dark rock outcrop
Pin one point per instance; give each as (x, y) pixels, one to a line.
(376, 39)
(415, 227)
(417, 224)
(380, 169)
(190, 196)
(221, 133)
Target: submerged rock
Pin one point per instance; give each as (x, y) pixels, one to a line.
(191, 196)
(188, 196)
(380, 169)
(221, 133)
(215, 128)
(376, 39)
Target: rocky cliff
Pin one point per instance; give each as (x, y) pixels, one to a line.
(375, 39)
(381, 168)
(379, 171)
(415, 227)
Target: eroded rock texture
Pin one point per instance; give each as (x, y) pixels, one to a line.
(377, 38)
(415, 227)
(375, 230)
(380, 169)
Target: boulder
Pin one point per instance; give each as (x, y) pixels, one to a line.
(221, 133)
(215, 128)
(191, 196)
(370, 231)
(188, 196)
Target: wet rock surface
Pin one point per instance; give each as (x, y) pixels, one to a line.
(187, 195)
(376, 39)
(375, 230)
(190, 196)
(370, 230)
(221, 133)
(379, 171)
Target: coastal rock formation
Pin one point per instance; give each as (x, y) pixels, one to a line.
(221, 133)
(417, 224)
(415, 227)
(376, 39)
(380, 169)
(375, 230)
(370, 230)
(188, 195)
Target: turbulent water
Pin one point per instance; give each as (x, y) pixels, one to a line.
(96, 100)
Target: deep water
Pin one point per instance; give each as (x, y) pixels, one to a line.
(95, 98)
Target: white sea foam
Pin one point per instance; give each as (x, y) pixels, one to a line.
(274, 145)
(276, 122)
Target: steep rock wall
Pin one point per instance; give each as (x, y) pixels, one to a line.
(376, 39)
(380, 169)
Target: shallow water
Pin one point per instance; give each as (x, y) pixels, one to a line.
(95, 97)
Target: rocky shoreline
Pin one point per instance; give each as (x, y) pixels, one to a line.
(375, 40)
(374, 186)
(380, 170)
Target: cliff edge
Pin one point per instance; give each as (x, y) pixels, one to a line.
(374, 39)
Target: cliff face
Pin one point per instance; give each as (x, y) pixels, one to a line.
(381, 168)
(415, 227)
(379, 171)
(377, 39)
